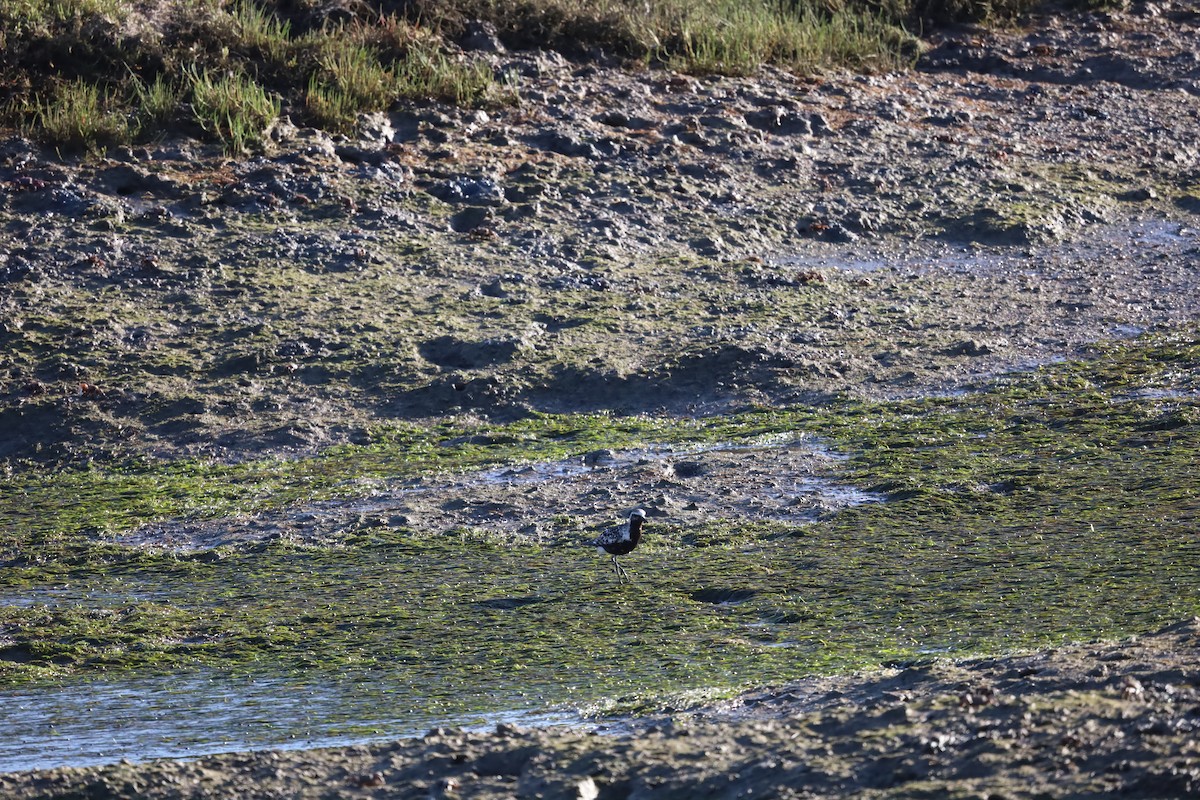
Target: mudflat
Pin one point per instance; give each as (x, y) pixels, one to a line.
(620, 241)
(639, 244)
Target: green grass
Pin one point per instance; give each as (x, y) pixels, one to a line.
(353, 78)
(737, 38)
(23, 18)
(157, 103)
(73, 506)
(426, 74)
(234, 109)
(80, 116)
(261, 32)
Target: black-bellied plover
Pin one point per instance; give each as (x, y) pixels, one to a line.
(620, 540)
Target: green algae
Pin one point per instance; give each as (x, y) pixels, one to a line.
(1057, 505)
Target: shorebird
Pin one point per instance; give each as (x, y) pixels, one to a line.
(620, 540)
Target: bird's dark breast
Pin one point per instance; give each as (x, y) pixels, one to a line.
(620, 548)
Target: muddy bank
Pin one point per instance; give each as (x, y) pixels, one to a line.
(1099, 720)
(625, 241)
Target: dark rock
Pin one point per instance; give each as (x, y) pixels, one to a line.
(989, 226)
(481, 36)
(564, 144)
(357, 154)
(138, 337)
(523, 194)
(577, 279)
(862, 221)
(452, 353)
(535, 64)
(1189, 203)
(728, 363)
(836, 232)
(17, 654)
(1139, 195)
(127, 179)
(710, 245)
(891, 111)
(470, 190)
(780, 120)
(599, 458)
(18, 152)
(970, 347)
(27, 183)
(406, 126)
(67, 200)
(522, 211)
(375, 128)
(510, 603)
(494, 289)
(241, 364)
(347, 258)
(689, 469)
(293, 349)
(954, 119)
(181, 150)
(17, 269)
(617, 118)
(505, 762)
(958, 55)
(471, 219)
(1088, 112)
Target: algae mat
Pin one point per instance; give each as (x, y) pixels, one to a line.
(1058, 505)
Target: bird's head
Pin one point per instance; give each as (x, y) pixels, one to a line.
(639, 513)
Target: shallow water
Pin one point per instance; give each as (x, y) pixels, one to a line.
(187, 716)
(1134, 241)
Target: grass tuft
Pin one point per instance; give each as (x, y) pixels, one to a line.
(430, 74)
(736, 39)
(233, 108)
(157, 103)
(352, 78)
(261, 31)
(81, 116)
(349, 81)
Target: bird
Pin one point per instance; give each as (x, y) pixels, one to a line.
(620, 540)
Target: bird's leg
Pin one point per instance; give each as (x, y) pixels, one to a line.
(622, 575)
